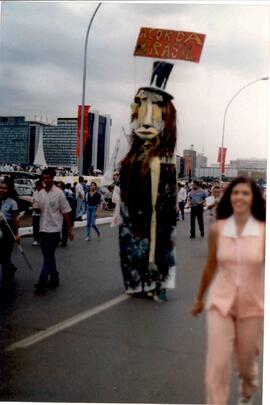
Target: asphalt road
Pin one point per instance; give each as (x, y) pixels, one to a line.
(133, 351)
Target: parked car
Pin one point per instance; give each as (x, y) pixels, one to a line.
(25, 197)
(25, 182)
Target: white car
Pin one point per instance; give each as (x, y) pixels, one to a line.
(25, 182)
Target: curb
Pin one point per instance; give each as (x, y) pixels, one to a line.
(28, 230)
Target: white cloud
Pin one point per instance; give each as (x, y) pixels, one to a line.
(42, 52)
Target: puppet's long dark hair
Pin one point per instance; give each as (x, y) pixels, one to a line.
(162, 145)
(258, 209)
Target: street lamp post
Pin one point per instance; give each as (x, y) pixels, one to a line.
(226, 110)
(83, 91)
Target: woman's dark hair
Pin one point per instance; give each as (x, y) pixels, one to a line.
(12, 193)
(61, 183)
(39, 183)
(49, 171)
(258, 209)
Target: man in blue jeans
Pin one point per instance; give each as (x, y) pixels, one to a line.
(53, 206)
(196, 201)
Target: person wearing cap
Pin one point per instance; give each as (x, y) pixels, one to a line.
(148, 191)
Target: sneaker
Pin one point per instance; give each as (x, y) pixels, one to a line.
(192, 237)
(87, 238)
(161, 296)
(244, 401)
(35, 243)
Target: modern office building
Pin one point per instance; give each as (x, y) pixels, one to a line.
(255, 168)
(252, 164)
(190, 161)
(214, 171)
(19, 140)
(59, 143)
(201, 160)
(180, 166)
(97, 148)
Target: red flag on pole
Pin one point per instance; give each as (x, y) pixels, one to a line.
(85, 132)
(221, 158)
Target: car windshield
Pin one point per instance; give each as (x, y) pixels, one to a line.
(23, 190)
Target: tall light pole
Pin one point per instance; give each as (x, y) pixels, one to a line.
(227, 107)
(83, 91)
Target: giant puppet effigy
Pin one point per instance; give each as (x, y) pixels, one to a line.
(148, 191)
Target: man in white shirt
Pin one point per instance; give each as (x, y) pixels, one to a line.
(80, 194)
(181, 198)
(53, 207)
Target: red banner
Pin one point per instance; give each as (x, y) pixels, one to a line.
(169, 44)
(221, 158)
(85, 132)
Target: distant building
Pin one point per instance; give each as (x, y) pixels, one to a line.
(180, 166)
(19, 141)
(201, 161)
(255, 168)
(189, 162)
(214, 171)
(252, 164)
(59, 143)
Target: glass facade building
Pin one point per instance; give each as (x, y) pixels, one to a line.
(14, 140)
(19, 141)
(59, 143)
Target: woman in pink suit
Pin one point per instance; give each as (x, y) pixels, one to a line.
(236, 253)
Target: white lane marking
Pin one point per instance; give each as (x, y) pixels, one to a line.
(52, 330)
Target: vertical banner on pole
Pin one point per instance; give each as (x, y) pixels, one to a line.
(85, 132)
(221, 158)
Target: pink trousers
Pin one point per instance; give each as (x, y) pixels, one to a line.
(228, 334)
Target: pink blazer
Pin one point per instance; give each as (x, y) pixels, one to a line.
(239, 281)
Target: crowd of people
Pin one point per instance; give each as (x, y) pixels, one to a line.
(198, 197)
(18, 167)
(35, 169)
(232, 272)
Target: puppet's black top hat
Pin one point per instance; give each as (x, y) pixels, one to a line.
(159, 78)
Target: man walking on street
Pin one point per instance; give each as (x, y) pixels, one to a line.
(36, 216)
(182, 198)
(80, 195)
(53, 206)
(196, 201)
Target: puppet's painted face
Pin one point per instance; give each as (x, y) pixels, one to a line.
(146, 120)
